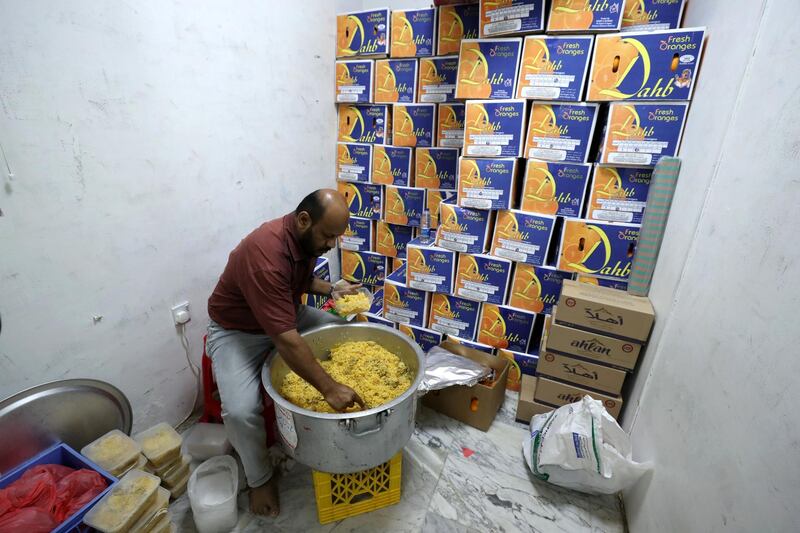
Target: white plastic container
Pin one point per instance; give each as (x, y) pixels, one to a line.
(204, 441)
(161, 444)
(115, 451)
(122, 507)
(213, 487)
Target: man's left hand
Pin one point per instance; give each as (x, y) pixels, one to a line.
(343, 287)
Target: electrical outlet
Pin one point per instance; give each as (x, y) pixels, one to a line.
(180, 313)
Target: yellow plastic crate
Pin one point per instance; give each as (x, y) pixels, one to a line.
(340, 496)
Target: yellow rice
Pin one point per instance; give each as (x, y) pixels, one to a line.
(375, 373)
(351, 304)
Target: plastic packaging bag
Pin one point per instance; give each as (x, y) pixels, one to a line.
(445, 369)
(54, 490)
(213, 487)
(580, 446)
(29, 520)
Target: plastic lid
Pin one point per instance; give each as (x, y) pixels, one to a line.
(154, 513)
(160, 444)
(180, 487)
(174, 477)
(169, 469)
(114, 451)
(125, 503)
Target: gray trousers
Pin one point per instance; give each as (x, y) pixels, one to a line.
(237, 358)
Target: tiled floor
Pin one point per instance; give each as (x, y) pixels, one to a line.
(455, 478)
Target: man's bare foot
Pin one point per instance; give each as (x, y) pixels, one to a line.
(264, 500)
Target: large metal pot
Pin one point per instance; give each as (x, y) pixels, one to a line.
(348, 442)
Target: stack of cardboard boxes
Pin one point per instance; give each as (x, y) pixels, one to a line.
(532, 154)
(589, 346)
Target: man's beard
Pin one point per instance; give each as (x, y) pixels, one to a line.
(308, 246)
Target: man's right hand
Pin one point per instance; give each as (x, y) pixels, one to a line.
(341, 397)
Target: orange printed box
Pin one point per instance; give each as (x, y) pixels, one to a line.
(359, 235)
(640, 134)
(391, 165)
(354, 81)
(391, 239)
(585, 16)
(619, 194)
(454, 316)
(425, 338)
(507, 17)
(487, 183)
(364, 199)
(413, 33)
(404, 304)
(505, 327)
(561, 131)
(536, 288)
(429, 267)
(646, 66)
(483, 278)
(554, 188)
(649, 15)
(598, 248)
(437, 79)
(434, 198)
(353, 162)
(437, 168)
(554, 68)
(522, 237)
(364, 124)
(363, 267)
(404, 205)
(494, 128)
(462, 229)
(471, 344)
(414, 124)
(487, 68)
(456, 23)
(450, 126)
(362, 33)
(520, 364)
(395, 81)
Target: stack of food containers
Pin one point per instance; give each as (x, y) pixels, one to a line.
(149, 459)
(532, 154)
(161, 445)
(136, 504)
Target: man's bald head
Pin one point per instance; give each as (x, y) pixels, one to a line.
(321, 218)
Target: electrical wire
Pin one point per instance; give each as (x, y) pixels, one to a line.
(195, 371)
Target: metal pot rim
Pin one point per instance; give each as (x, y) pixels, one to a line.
(286, 404)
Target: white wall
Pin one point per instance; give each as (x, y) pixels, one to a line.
(718, 410)
(146, 139)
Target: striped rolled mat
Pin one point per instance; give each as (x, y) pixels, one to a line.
(659, 201)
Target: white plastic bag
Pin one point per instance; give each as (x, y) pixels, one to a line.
(213, 488)
(580, 446)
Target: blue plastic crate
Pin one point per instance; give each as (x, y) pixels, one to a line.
(62, 454)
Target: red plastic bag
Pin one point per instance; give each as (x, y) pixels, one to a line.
(76, 490)
(52, 491)
(29, 520)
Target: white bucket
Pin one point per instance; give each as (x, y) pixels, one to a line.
(213, 487)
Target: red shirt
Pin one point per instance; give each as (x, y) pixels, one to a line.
(260, 288)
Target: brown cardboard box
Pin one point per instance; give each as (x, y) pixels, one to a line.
(527, 407)
(581, 372)
(477, 405)
(555, 393)
(605, 310)
(618, 353)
